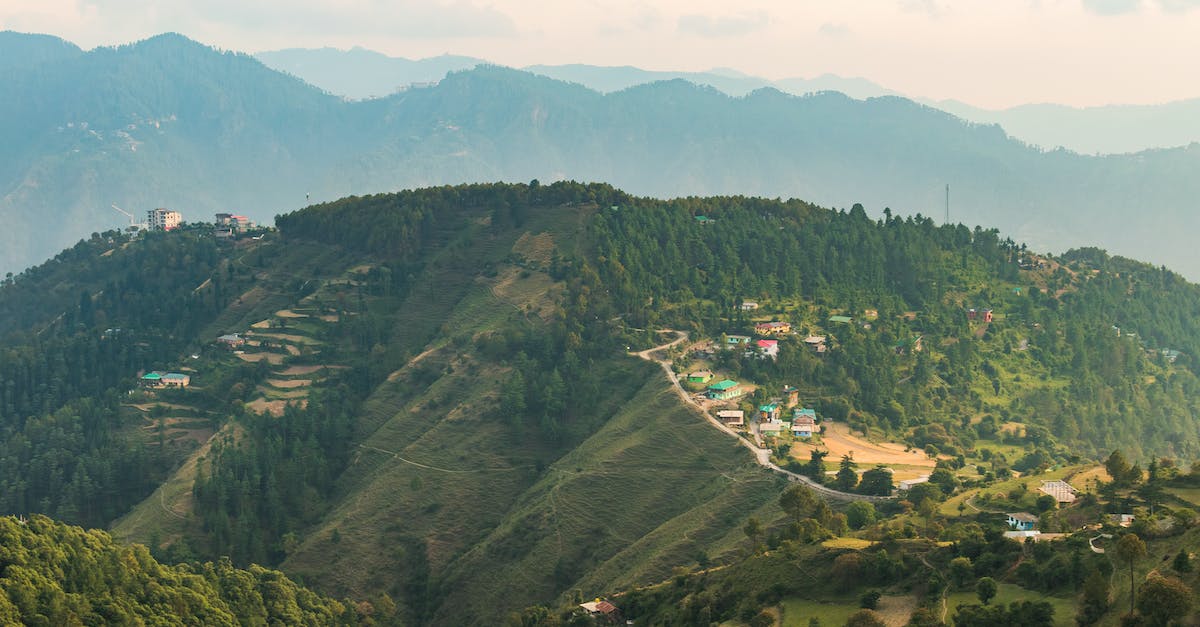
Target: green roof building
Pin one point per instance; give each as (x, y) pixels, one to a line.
(841, 319)
(726, 389)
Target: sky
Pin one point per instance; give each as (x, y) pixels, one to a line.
(989, 53)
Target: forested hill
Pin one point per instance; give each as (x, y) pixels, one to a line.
(55, 574)
(169, 122)
(430, 395)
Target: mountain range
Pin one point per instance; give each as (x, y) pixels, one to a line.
(1108, 129)
(170, 122)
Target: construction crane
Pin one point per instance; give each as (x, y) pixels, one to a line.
(133, 223)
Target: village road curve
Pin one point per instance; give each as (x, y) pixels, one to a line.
(761, 455)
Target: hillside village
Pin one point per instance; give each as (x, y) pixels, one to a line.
(494, 429)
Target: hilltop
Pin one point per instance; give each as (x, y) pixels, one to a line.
(170, 122)
(430, 394)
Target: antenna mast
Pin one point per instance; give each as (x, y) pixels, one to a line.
(947, 203)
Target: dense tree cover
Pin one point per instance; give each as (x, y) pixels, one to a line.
(257, 489)
(666, 268)
(650, 264)
(1030, 613)
(76, 331)
(55, 574)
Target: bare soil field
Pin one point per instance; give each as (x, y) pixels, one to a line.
(287, 384)
(275, 408)
(839, 441)
(274, 359)
(303, 370)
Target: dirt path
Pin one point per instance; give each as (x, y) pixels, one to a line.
(414, 361)
(762, 456)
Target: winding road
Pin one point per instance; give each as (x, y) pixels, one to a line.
(761, 455)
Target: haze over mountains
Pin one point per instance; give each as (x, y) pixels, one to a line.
(170, 122)
(1109, 129)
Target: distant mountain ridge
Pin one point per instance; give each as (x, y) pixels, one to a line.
(170, 122)
(1111, 129)
(360, 73)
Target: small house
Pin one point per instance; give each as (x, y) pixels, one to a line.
(870, 314)
(732, 417)
(737, 340)
(768, 348)
(768, 412)
(907, 484)
(603, 611)
(1060, 490)
(791, 396)
(804, 423)
(725, 390)
(987, 315)
(699, 376)
(841, 319)
(176, 380)
(1121, 520)
(773, 328)
(232, 340)
(748, 305)
(1022, 521)
(772, 429)
(913, 344)
(816, 343)
(165, 380)
(705, 220)
(972, 314)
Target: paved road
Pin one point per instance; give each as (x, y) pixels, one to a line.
(761, 455)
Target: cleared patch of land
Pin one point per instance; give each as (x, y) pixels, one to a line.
(534, 292)
(274, 359)
(275, 408)
(287, 384)
(306, 370)
(839, 441)
(287, 337)
(847, 543)
(537, 248)
(1064, 609)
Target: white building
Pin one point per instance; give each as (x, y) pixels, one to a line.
(163, 219)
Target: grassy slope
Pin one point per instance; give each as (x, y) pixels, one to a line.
(649, 491)
(436, 488)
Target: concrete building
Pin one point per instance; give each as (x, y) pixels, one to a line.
(162, 219)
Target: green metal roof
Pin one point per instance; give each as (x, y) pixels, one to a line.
(768, 407)
(844, 319)
(723, 385)
(153, 376)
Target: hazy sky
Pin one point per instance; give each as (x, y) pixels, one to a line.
(986, 52)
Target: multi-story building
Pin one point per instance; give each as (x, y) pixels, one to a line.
(163, 219)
